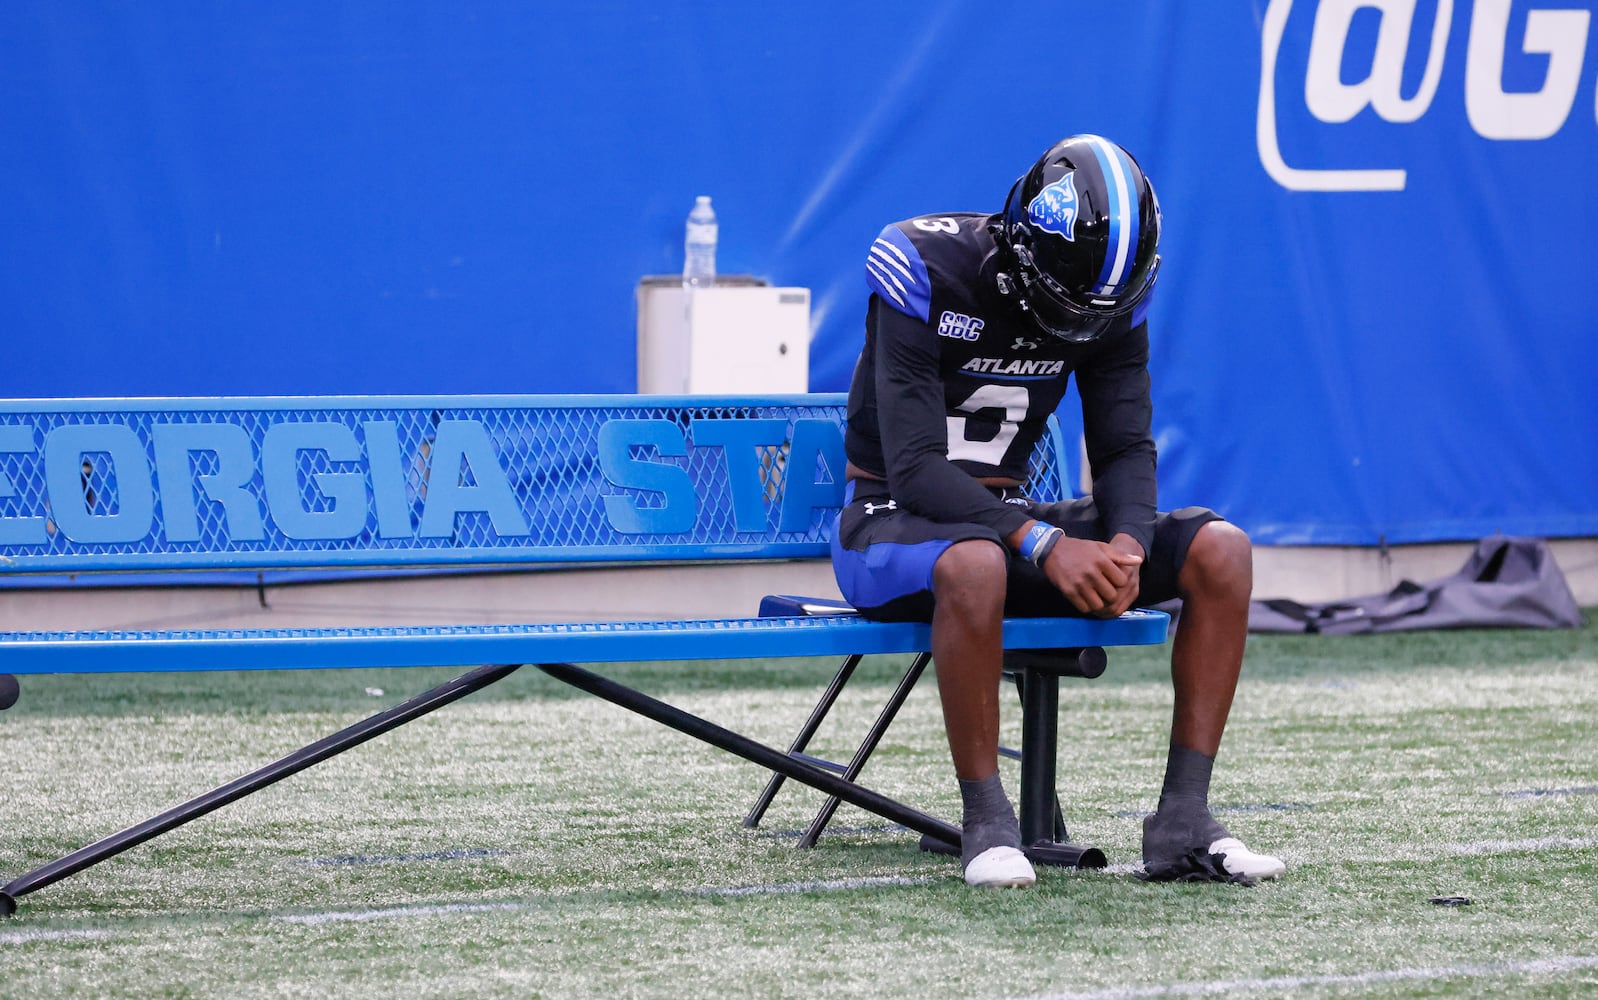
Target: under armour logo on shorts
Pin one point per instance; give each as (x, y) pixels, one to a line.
(872, 508)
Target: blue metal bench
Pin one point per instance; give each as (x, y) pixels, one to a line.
(391, 483)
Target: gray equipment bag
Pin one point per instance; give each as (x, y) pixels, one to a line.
(1506, 582)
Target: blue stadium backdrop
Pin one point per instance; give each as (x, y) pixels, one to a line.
(1377, 320)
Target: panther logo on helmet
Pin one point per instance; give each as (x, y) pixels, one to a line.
(1055, 207)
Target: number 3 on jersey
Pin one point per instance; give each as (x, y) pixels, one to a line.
(1013, 400)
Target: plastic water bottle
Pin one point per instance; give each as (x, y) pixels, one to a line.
(699, 245)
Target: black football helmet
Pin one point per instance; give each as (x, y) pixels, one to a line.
(1079, 238)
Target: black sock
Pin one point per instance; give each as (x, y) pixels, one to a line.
(1183, 819)
(1187, 777)
(987, 819)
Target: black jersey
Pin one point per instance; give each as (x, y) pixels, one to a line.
(955, 383)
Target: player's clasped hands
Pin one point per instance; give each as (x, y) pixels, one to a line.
(1099, 578)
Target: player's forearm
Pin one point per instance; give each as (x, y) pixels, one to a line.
(938, 491)
(1126, 495)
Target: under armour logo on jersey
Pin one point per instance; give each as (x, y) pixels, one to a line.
(1023, 342)
(872, 508)
(1055, 207)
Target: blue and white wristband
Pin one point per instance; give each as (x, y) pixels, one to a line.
(1039, 541)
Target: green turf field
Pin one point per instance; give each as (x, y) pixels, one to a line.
(529, 841)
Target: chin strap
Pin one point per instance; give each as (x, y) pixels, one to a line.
(1007, 259)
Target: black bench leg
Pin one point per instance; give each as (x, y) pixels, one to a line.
(755, 752)
(1040, 816)
(808, 730)
(1018, 676)
(256, 780)
(868, 746)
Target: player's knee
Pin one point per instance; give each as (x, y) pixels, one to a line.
(1220, 562)
(971, 573)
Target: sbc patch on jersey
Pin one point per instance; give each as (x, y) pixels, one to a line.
(959, 326)
(1054, 208)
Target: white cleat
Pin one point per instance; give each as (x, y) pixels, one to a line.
(1239, 860)
(1001, 867)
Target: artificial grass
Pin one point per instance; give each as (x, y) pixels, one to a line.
(529, 842)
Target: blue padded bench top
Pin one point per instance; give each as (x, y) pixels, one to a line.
(470, 645)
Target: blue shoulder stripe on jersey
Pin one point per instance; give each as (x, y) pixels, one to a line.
(1123, 212)
(895, 271)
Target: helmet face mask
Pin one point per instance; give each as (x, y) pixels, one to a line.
(1079, 238)
(1058, 312)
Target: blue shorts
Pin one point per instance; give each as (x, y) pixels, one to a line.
(883, 555)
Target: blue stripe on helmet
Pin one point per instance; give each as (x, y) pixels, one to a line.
(1121, 251)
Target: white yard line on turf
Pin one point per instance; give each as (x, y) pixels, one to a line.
(27, 937)
(1510, 846)
(826, 886)
(1431, 852)
(1426, 852)
(443, 909)
(1531, 967)
(337, 916)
